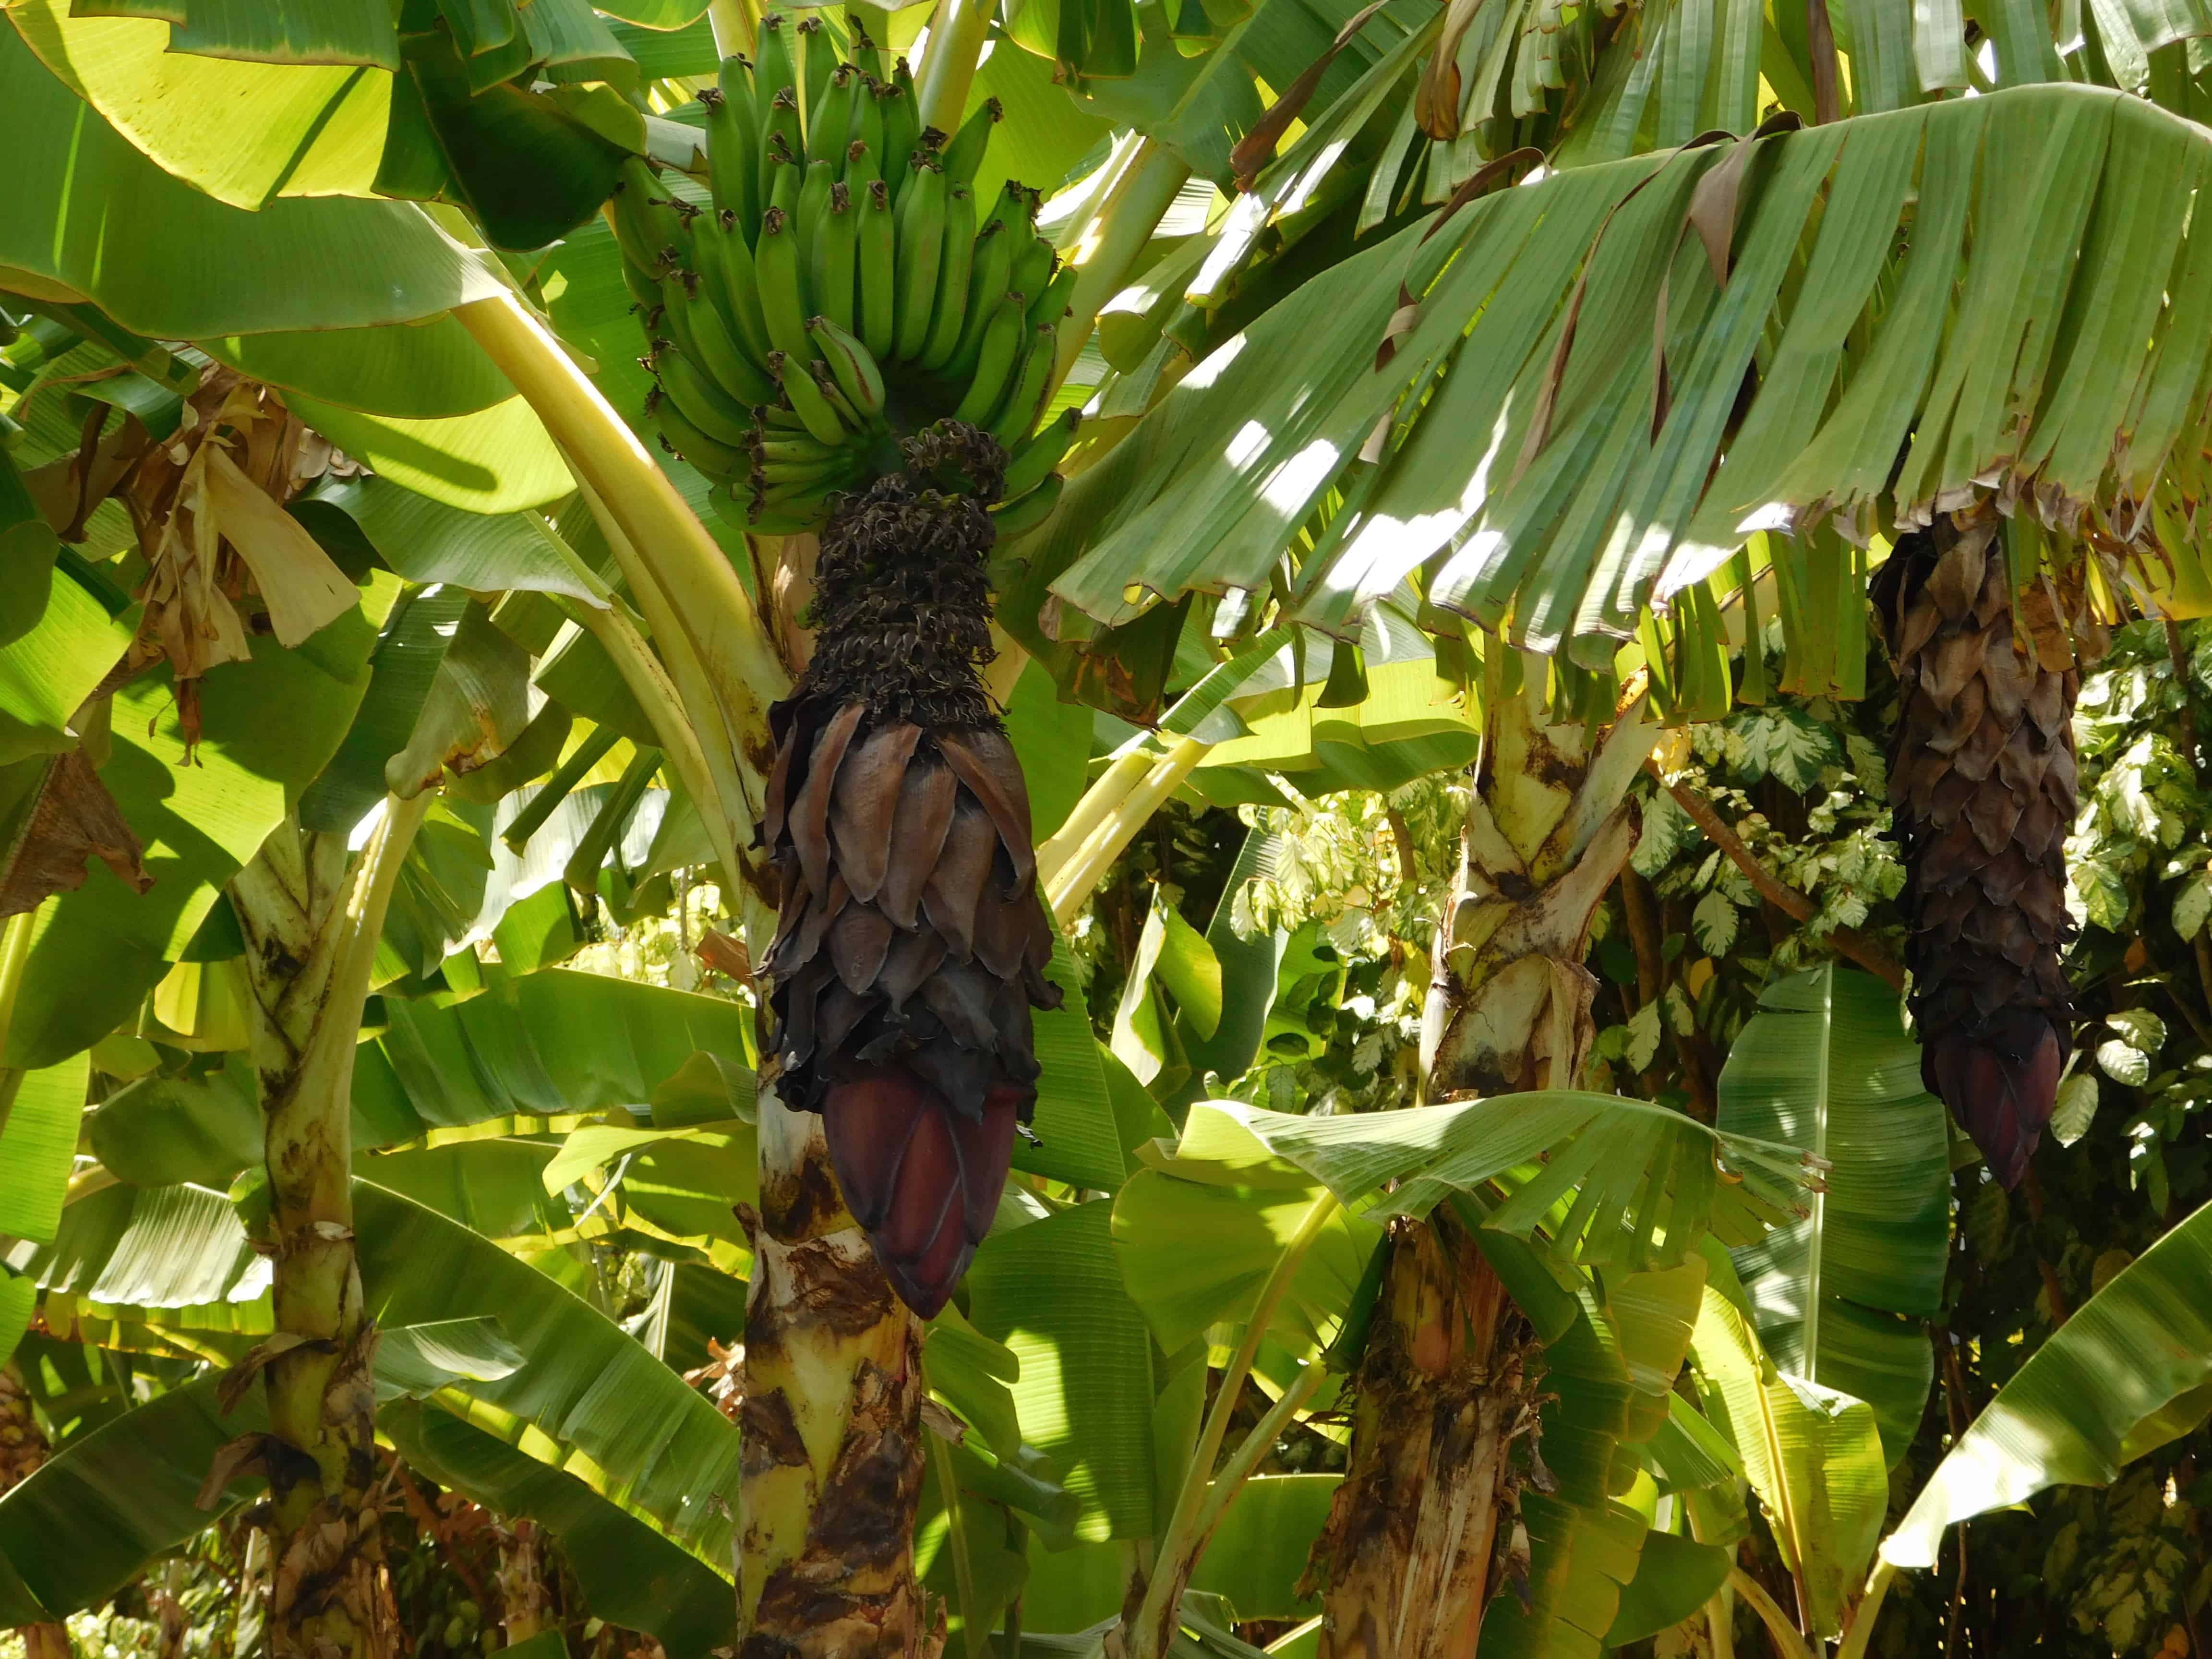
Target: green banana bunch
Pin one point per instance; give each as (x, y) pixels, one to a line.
(845, 289)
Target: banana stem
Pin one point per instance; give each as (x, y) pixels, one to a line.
(709, 603)
(1004, 671)
(1869, 1609)
(1251, 1449)
(1112, 241)
(382, 860)
(957, 30)
(973, 1635)
(1096, 805)
(15, 954)
(1184, 1537)
(1074, 883)
(725, 744)
(1720, 1625)
(1787, 1642)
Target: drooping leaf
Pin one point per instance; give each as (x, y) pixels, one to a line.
(628, 1571)
(2126, 1374)
(616, 1417)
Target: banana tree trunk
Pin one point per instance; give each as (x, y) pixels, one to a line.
(832, 1424)
(1407, 1553)
(310, 915)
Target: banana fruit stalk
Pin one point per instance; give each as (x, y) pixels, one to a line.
(845, 289)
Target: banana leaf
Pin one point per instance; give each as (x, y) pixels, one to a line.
(1813, 1455)
(603, 1409)
(168, 268)
(1841, 1297)
(2129, 1372)
(630, 1574)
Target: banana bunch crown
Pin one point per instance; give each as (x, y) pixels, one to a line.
(845, 289)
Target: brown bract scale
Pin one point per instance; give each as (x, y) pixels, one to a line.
(910, 944)
(1982, 791)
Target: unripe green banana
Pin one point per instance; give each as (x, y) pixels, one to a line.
(816, 60)
(741, 298)
(861, 47)
(806, 401)
(902, 126)
(868, 119)
(1049, 306)
(773, 68)
(781, 137)
(827, 121)
(701, 401)
(660, 324)
(858, 375)
(921, 251)
(646, 226)
(773, 417)
(848, 412)
(1034, 461)
(990, 261)
(644, 287)
(802, 451)
(694, 320)
(681, 438)
(1010, 210)
(782, 296)
(830, 467)
(996, 363)
(860, 168)
(813, 202)
(836, 253)
(878, 272)
(965, 153)
(1025, 513)
(732, 144)
(1033, 266)
(1019, 412)
(950, 307)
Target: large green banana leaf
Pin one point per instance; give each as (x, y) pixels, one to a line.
(603, 1409)
(2130, 1372)
(1578, 506)
(1589, 1173)
(554, 1043)
(88, 1521)
(1050, 1291)
(170, 266)
(1839, 1298)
